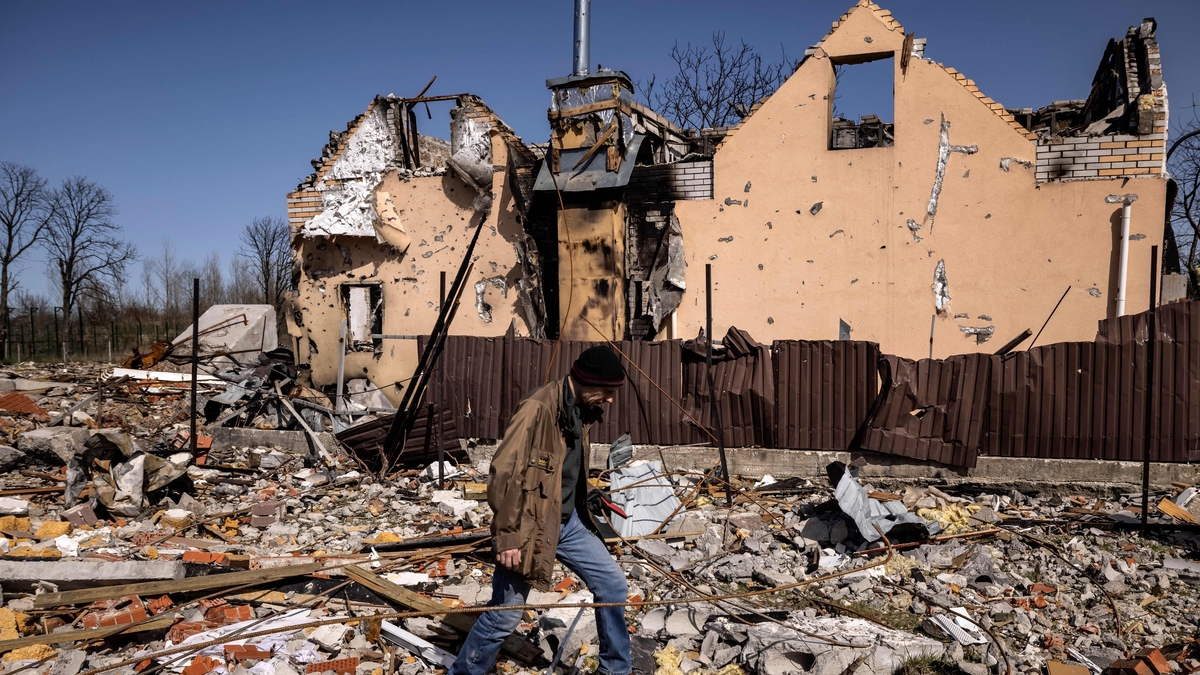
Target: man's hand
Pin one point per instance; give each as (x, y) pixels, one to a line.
(510, 559)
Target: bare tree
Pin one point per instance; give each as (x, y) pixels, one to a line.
(267, 245)
(242, 282)
(714, 87)
(212, 281)
(81, 241)
(1183, 161)
(23, 215)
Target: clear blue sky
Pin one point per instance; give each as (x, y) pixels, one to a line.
(200, 116)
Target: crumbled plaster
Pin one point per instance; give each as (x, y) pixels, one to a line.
(347, 189)
(844, 330)
(667, 282)
(982, 333)
(913, 227)
(389, 226)
(747, 186)
(944, 150)
(1094, 292)
(481, 305)
(471, 150)
(941, 287)
(1137, 237)
(816, 208)
(1006, 161)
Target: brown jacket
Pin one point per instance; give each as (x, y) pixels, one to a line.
(525, 483)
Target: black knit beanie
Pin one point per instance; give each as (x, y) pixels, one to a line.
(598, 367)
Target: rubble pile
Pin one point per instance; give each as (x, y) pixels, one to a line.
(122, 551)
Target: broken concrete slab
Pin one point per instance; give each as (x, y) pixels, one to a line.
(69, 574)
(61, 442)
(242, 330)
(10, 457)
(777, 650)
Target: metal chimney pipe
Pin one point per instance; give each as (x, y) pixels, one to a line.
(583, 36)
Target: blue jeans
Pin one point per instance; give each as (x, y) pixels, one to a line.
(585, 555)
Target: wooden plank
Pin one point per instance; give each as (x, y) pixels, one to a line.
(157, 623)
(1172, 509)
(589, 108)
(513, 645)
(187, 585)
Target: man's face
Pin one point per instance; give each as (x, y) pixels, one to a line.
(594, 397)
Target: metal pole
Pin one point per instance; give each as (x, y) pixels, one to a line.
(339, 406)
(1149, 386)
(195, 356)
(582, 55)
(441, 393)
(932, 326)
(712, 390)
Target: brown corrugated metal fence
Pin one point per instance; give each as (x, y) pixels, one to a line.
(1067, 400)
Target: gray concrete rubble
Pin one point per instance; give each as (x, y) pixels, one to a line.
(118, 523)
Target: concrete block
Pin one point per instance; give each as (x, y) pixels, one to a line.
(293, 441)
(69, 574)
(61, 442)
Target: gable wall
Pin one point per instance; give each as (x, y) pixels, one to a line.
(1011, 246)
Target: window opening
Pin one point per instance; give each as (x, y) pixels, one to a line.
(364, 317)
(863, 97)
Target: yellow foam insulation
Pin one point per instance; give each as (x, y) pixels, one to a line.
(30, 653)
(954, 518)
(14, 524)
(52, 529)
(668, 661)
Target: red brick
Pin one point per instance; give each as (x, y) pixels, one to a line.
(237, 653)
(1154, 659)
(121, 611)
(567, 584)
(204, 557)
(182, 631)
(202, 665)
(228, 615)
(213, 602)
(1042, 588)
(158, 605)
(339, 666)
(1129, 667)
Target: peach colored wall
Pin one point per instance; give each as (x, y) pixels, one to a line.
(1011, 246)
(437, 215)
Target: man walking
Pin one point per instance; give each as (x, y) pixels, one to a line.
(537, 488)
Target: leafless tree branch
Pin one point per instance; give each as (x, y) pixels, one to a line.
(714, 86)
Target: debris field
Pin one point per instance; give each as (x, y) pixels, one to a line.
(125, 552)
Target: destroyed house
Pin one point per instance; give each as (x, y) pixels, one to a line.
(949, 228)
(387, 211)
(933, 227)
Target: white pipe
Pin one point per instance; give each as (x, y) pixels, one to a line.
(1123, 265)
(1123, 259)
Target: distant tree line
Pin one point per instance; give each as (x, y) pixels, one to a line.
(95, 306)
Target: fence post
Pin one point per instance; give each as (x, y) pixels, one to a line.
(1154, 276)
